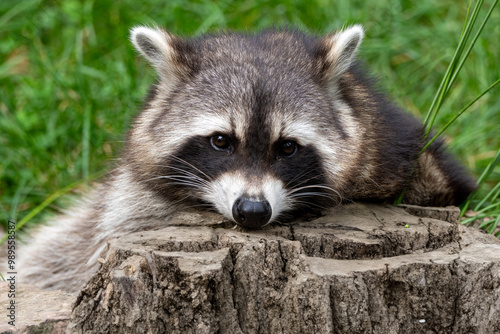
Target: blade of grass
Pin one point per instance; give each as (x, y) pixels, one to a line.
(47, 202)
(470, 220)
(497, 220)
(19, 8)
(486, 173)
(446, 82)
(450, 66)
(489, 168)
(86, 141)
(491, 194)
(480, 214)
(454, 69)
(20, 192)
(494, 224)
(469, 49)
(458, 115)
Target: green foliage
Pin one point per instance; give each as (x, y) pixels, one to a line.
(71, 82)
(487, 211)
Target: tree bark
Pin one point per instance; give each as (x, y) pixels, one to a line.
(361, 268)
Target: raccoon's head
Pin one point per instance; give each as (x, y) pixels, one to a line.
(249, 125)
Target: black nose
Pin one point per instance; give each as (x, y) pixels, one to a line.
(251, 213)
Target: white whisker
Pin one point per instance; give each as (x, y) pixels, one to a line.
(186, 173)
(193, 167)
(180, 180)
(314, 191)
(306, 194)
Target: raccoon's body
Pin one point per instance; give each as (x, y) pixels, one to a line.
(258, 127)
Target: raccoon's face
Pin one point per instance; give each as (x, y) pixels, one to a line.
(245, 124)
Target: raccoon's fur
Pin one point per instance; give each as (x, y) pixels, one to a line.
(259, 127)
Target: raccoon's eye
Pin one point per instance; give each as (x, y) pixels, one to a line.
(288, 148)
(220, 142)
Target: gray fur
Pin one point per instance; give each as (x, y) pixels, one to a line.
(260, 91)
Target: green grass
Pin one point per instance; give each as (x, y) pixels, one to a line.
(70, 82)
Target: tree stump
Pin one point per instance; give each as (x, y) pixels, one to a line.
(36, 311)
(361, 268)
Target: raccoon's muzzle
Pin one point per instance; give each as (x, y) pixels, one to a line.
(251, 213)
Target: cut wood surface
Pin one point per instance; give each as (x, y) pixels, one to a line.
(361, 268)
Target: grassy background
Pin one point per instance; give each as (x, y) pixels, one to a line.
(70, 81)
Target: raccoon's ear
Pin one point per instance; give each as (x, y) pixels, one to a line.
(157, 46)
(341, 47)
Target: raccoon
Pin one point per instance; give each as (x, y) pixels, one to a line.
(260, 128)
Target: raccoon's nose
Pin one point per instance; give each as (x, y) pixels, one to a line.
(251, 213)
